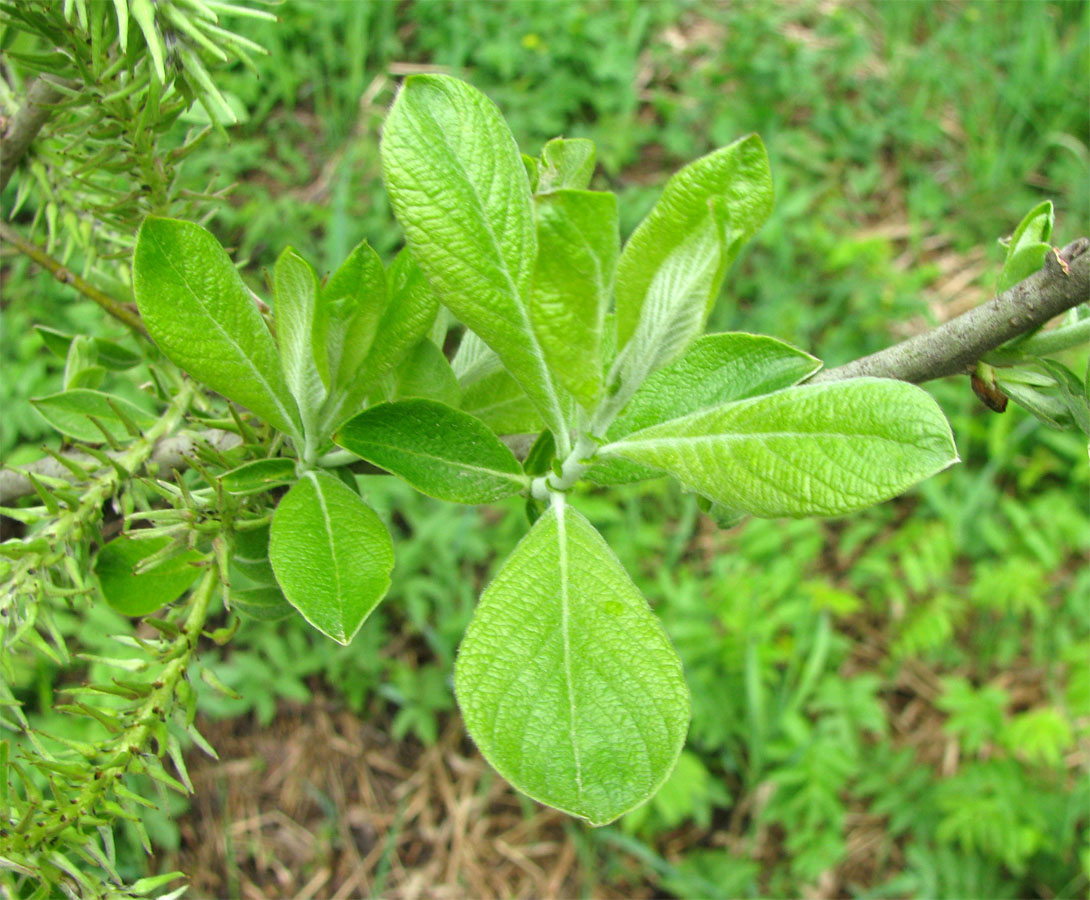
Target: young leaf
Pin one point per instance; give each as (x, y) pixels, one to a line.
(201, 315)
(566, 164)
(500, 402)
(295, 309)
(138, 595)
(350, 308)
(440, 451)
(821, 449)
(331, 554)
(426, 373)
(1028, 246)
(716, 369)
(408, 315)
(258, 476)
(68, 412)
(678, 255)
(578, 242)
(567, 681)
(459, 189)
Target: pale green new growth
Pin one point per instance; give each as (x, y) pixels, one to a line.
(567, 681)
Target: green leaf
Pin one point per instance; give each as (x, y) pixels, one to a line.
(565, 678)
(1028, 246)
(109, 353)
(459, 189)
(350, 310)
(258, 476)
(737, 176)
(578, 242)
(566, 164)
(440, 451)
(68, 412)
(296, 290)
(331, 554)
(500, 402)
(822, 449)
(264, 604)
(425, 373)
(716, 369)
(408, 315)
(676, 258)
(138, 595)
(202, 316)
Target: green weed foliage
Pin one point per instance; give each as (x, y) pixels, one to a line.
(900, 698)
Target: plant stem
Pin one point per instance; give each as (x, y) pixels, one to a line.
(120, 311)
(955, 347)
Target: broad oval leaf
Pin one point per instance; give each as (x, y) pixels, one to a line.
(440, 451)
(331, 554)
(136, 594)
(200, 314)
(68, 412)
(734, 181)
(566, 679)
(823, 449)
(578, 242)
(716, 369)
(460, 190)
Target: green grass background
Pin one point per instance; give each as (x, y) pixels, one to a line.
(905, 138)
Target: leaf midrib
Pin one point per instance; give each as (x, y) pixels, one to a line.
(227, 336)
(556, 413)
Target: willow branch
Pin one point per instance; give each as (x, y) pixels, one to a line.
(121, 311)
(168, 453)
(41, 97)
(955, 347)
(950, 349)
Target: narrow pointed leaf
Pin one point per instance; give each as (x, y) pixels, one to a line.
(440, 451)
(295, 309)
(459, 189)
(578, 243)
(821, 449)
(68, 412)
(408, 314)
(351, 307)
(736, 178)
(201, 315)
(331, 554)
(565, 678)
